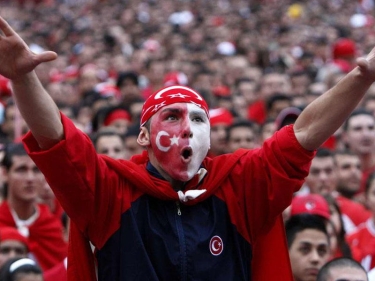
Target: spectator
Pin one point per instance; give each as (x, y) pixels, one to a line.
(349, 176)
(267, 129)
(362, 240)
(322, 178)
(336, 229)
(12, 245)
(276, 104)
(326, 208)
(342, 269)
(270, 85)
(109, 142)
(220, 120)
(308, 245)
(242, 134)
(315, 124)
(21, 269)
(359, 137)
(13, 125)
(132, 147)
(21, 210)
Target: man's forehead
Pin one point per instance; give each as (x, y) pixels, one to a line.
(190, 107)
(21, 159)
(358, 120)
(347, 158)
(323, 161)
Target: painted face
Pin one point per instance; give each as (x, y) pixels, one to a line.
(180, 139)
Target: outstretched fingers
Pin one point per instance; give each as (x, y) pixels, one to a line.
(5, 27)
(45, 56)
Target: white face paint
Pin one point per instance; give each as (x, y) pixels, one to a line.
(180, 137)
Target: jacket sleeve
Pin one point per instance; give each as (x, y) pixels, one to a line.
(80, 179)
(266, 179)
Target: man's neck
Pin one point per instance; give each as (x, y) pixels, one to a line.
(24, 210)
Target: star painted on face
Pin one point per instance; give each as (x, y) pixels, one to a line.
(157, 106)
(179, 95)
(174, 140)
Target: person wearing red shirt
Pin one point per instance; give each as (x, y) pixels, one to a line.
(362, 241)
(22, 211)
(172, 212)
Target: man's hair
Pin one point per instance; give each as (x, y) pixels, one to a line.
(276, 98)
(301, 222)
(324, 272)
(105, 132)
(24, 266)
(324, 152)
(242, 123)
(127, 76)
(133, 131)
(359, 111)
(12, 149)
(345, 152)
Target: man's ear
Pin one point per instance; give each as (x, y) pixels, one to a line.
(143, 137)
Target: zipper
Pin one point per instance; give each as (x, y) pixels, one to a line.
(182, 243)
(178, 208)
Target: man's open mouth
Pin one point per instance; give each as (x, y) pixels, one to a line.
(187, 153)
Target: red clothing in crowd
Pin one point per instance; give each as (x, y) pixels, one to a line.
(257, 112)
(256, 186)
(354, 211)
(45, 238)
(362, 244)
(57, 273)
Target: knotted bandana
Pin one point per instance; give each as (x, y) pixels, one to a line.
(170, 95)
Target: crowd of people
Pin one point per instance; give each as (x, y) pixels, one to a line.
(259, 65)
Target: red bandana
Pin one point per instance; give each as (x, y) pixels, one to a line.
(170, 95)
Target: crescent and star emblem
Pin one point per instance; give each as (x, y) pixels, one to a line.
(159, 94)
(174, 141)
(216, 245)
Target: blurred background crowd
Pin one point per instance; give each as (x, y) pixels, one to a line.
(258, 64)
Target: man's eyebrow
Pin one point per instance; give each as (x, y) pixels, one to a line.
(198, 112)
(173, 110)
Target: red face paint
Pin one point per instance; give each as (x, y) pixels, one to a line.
(180, 139)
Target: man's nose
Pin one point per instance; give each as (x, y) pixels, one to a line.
(30, 174)
(186, 130)
(187, 133)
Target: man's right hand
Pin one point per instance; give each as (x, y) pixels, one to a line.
(16, 58)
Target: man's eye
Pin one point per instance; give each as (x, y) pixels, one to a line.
(172, 117)
(304, 250)
(197, 119)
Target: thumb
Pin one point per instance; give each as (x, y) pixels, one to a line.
(45, 57)
(362, 64)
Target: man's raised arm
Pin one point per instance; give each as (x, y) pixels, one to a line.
(38, 109)
(320, 119)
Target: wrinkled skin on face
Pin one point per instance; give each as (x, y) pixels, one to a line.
(179, 139)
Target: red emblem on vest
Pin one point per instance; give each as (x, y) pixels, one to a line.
(216, 245)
